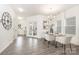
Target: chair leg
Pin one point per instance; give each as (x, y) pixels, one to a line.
(48, 43)
(70, 48)
(64, 48)
(55, 44)
(44, 39)
(62, 45)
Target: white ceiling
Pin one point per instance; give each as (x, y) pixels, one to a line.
(36, 9)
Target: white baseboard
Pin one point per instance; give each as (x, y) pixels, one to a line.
(6, 45)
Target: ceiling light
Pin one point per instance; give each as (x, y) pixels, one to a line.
(20, 18)
(20, 9)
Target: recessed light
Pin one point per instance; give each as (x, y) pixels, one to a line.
(20, 9)
(20, 17)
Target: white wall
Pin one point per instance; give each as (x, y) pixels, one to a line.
(6, 36)
(74, 11)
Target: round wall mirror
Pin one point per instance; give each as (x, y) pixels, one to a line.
(6, 20)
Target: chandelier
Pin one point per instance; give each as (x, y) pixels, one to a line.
(51, 17)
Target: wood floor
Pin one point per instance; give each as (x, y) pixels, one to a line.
(32, 46)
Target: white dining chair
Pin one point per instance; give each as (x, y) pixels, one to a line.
(75, 42)
(49, 38)
(64, 40)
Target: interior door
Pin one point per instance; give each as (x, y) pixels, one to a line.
(33, 29)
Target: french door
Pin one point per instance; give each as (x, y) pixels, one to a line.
(33, 29)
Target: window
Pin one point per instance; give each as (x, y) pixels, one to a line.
(59, 26)
(70, 27)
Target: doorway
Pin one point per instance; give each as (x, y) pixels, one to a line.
(33, 29)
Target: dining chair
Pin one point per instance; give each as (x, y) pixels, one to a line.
(64, 40)
(49, 38)
(75, 41)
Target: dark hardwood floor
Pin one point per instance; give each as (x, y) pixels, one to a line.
(32, 46)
